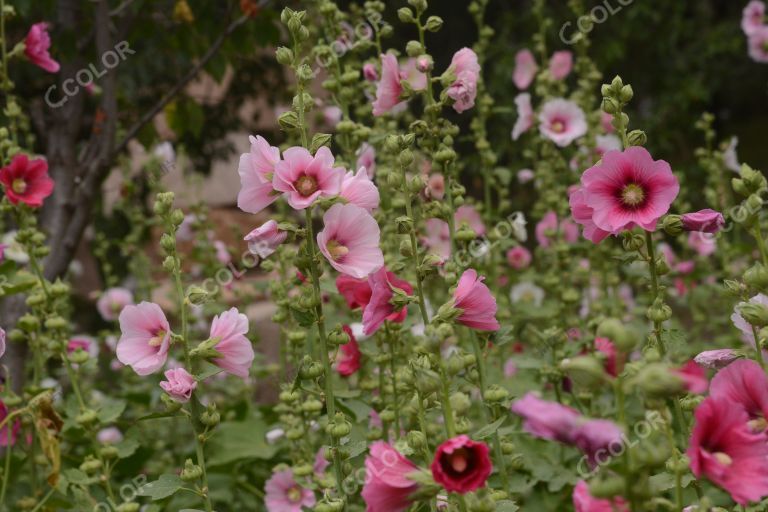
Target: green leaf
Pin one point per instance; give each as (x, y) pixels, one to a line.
(489, 430)
(163, 487)
(303, 318)
(126, 448)
(240, 440)
(111, 410)
(506, 506)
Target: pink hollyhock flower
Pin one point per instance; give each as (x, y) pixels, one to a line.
(724, 449)
(704, 221)
(598, 440)
(525, 115)
(366, 157)
(525, 69)
(256, 170)
(549, 225)
(694, 377)
(758, 44)
(547, 420)
(438, 239)
(627, 189)
(389, 89)
(87, 344)
(222, 252)
(525, 175)
(435, 186)
(36, 46)
(379, 308)
(585, 502)
(461, 465)
(753, 17)
(614, 362)
(321, 463)
(112, 302)
(264, 240)
(606, 122)
(349, 362)
(476, 303)
(109, 435)
(283, 494)
(179, 384)
(358, 189)
(744, 383)
(463, 90)
(510, 368)
(350, 240)
(716, 359)
(26, 181)
(9, 433)
(387, 487)
(467, 215)
(356, 292)
(370, 73)
(562, 121)
(332, 115)
(305, 178)
(703, 243)
(519, 257)
(410, 72)
(561, 64)
(2, 342)
(741, 324)
(236, 350)
(145, 338)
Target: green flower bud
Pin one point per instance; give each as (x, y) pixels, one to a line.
(79, 356)
(754, 313)
(191, 471)
(91, 465)
(59, 288)
(29, 323)
(108, 452)
(288, 120)
(756, 276)
(657, 380)
(610, 106)
(169, 263)
(584, 370)
(416, 439)
(312, 406)
(170, 404)
(56, 323)
(460, 402)
(210, 417)
(496, 393)
(613, 329)
(197, 295)
(434, 23)
(177, 217)
(419, 5)
(414, 48)
(626, 94)
(672, 225)
(284, 55)
(607, 487)
(406, 249)
(659, 312)
(128, 507)
(319, 140)
(405, 15)
(311, 371)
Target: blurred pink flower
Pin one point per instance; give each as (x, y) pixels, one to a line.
(145, 338)
(547, 420)
(366, 157)
(284, 494)
(179, 384)
(753, 17)
(332, 115)
(561, 64)
(358, 189)
(694, 377)
(109, 435)
(389, 89)
(597, 439)
(519, 257)
(562, 121)
(370, 73)
(585, 502)
(237, 355)
(9, 433)
(350, 240)
(415, 78)
(2, 342)
(36, 46)
(222, 252)
(477, 304)
(112, 302)
(716, 359)
(464, 89)
(758, 44)
(264, 240)
(703, 243)
(525, 69)
(304, 178)
(606, 122)
(550, 224)
(525, 175)
(387, 487)
(525, 115)
(435, 186)
(467, 215)
(256, 169)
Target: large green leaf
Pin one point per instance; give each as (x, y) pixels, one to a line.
(240, 440)
(163, 487)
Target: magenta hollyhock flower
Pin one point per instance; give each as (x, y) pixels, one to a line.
(350, 240)
(264, 240)
(694, 377)
(724, 449)
(704, 221)
(585, 502)
(525, 115)
(112, 302)
(758, 44)
(461, 465)
(613, 361)
(753, 17)
(36, 46)
(256, 170)
(716, 359)
(561, 64)
(519, 257)
(179, 384)
(369, 72)
(388, 89)
(387, 487)
(237, 355)
(26, 181)
(283, 494)
(562, 121)
(350, 355)
(549, 224)
(582, 214)
(463, 90)
(745, 384)
(628, 189)
(356, 292)
(599, 440)
(379, 307)
(747, 335)
(145, 338)
(547, 420)
(304, 178)
(87, 344)
(358, 189)
(9, 433)
(525, 69)
(366, 157)
(476, 303)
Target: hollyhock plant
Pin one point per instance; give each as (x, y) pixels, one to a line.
(358, 189)
(461, 465)
(304, 178)
(387, 486)
(547, 420)
(283, 494)
(26, 181)
(256, 170)
(519, 257)
(264, 240)
(704, 221)
(614, 362)
(747, 334)
(550, 224)
(562, 121)
(145, 338)
(583, 501)
(463, 90)
(525, 115)
(357, 293)
(349, 360)
(744, 383)
(230, 329)
(561, 64)
(525, 69)
(388, 90)
(112, 302)
(380, 307)
(179, 384)
(716, 359)
(36, 48)
(476, 303)
(753, 17)
(350, 240)
(758, 44)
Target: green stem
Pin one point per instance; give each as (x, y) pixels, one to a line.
(758, 347)
(415, 258)
(6, 471)
(42, 502)
(678, 475)
(627, 457)
(391, 342)
(654, 288)
(761, 244)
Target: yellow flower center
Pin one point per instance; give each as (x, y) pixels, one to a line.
(336, 250)
(723, 458)
(157, 340)
(459, 460)
(757, 425)
(306, 185)
(632, 194)
(294, 494)
(558, 127)
(19, 186)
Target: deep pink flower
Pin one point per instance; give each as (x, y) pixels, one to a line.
(358, 189)
(26, 181)
(547, 420)
(525, 69)
(87, 344)
(599, 440)
(519, 257)
(562, 121)
(9, 433)
(36, 46)
(550, 224)
(379, 307)
(305, 178)
(237, 355)
(753, 17)
(585, 502)
(350, 240)
(614, 362)
(758, 44)
(179, 384)
(694, 377)
(264, 240)
(582, 214)
(366, 157)
(629, 189)
(561, 64)
(388, 89)
(284, 494)
(461, 465)
(463, 90)
(387, 487)
(477, 304)
(257, 169)
(145, 339)
(724, 449)
(716, 359)
(703, 221)
(745, 384)
(112, 302)
(356, 292)
(370, 73)
(525, 115)
(349, 362)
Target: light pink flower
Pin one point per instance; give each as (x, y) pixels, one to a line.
(463, 90)
(606, 143)
(415, 78)
(284, 494)
(379, 307)
(758, 44)
(547, 420)
(145, 338)
(753, 17)
(222, 252)
(350, 240)
(716, 359)
(561, 64)
(525, 69)
(370, 73)
(703, 243)
(304, 178)
(585, 502)
(562, 121)
(366, 157)
(550, 224)
(525, 115)
(741, 324)
(389, 89)
(510, 368)
(477, 304)
(237, 355)
(606, 122)
(704, 221)
(387, 487)
(36, 46)
(435, 186)
(525, 175)
(179, 384)
(467, 215)
(256, 169)
(519, 257)
(438, 240)
(332, 115)
(358, 189)
(109, 435)
(112, 302)
(264, 240)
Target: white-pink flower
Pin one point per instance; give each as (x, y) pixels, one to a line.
(304, 178)
(562, 121)
(561, 64)
(350, 240)
(264, 240)
(525, 115)
(463, 90)
(758, 44)
(256, 170)
(179, 384)
(525, 69)
(366, 157)
(236, 350)
(411, 73)
(112, 302)
(753, 17)
(388, 89)
(358, 189)
(145, 339)
(284, 494)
